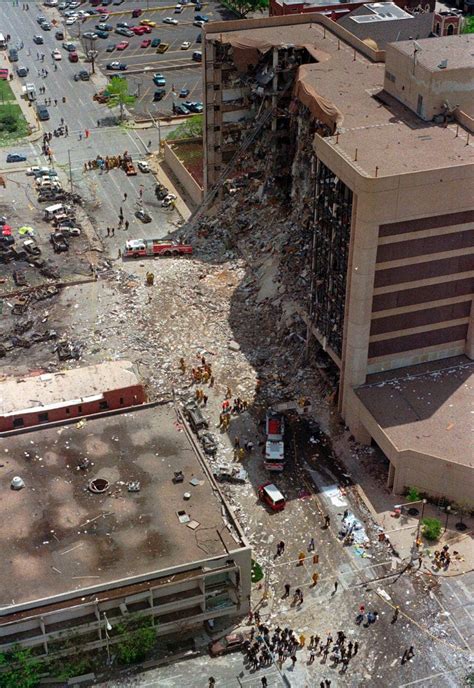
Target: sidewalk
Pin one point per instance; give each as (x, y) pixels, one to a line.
(27, 109)
(164, 179)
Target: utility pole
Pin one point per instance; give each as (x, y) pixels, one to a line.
(70, 169)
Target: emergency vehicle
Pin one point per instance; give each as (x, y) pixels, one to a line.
(274, 446)
(137, 248)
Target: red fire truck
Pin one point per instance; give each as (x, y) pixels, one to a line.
(138, 248)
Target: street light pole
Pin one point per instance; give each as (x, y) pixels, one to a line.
(424, 501)
(70, 168)
(448, 511)
(108, 628)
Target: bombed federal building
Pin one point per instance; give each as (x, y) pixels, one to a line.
(355, 163)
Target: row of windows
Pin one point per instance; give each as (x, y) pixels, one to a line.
(44, 416)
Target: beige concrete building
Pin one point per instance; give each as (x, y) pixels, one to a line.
(389, 179)
(77, 562)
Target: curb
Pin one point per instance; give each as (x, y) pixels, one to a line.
(144, 10)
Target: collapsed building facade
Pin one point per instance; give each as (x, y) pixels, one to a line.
(367, 154)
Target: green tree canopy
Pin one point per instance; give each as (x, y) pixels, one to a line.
(243, 7)
(118, 93)
(190, 128)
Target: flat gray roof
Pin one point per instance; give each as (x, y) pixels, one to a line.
(426, 408)
(458, 50)
(58, 537)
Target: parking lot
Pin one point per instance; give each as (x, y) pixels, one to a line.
(176, 64)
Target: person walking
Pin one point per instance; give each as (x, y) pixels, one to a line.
(327, 521)
(336, 584)
(287, 590)
(264, 682)
(125, 197)
(280, 548)
(301, 558)
(212, 682)
(396, 611)
(311, 545)
(127, 224)
(293, 661)
(108, 231)
(408, 654)
(315, 578)
(112, 231)
(356, 648)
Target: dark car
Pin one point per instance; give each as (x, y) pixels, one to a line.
(6, 241)
(110, 48)
(22, 71)
(199, 38)
(59, 35)
(155, 42)
(136, 13)
(16, 157)
(39, 40)
(70, 47)
(59, 242)
(159, 94)
(143, 216)
(197, 7)
(229, 643)
(201, 17)
(13, 55)
(102, 26)
(194, 415)
(184, 93)
(42, 113)
(102, 34)
(197, 56)
(181, 110)
(83, 75)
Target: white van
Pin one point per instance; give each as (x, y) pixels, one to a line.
(54, 211)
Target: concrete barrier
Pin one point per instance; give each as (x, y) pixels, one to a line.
(185, 178)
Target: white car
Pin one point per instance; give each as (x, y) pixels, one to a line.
(36, 170)
(70, 21)
(185, 45)
(170, 20)
(143, 166)
(56, 55)
(199, 23)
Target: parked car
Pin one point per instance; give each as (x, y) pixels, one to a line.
(229, 473)
(229, 643)
(16, 157)
(69, 47)
(198, 22)
(39, 40)
(147, 22)
(31, 247)
(136, 13)
(209, 442)
(90, 35)
(73, 57)
(42, 112)
(117, 66)
(56, 54)
(178, 8)
(184, 93)
(159, 79)
(146, 43)
(197, 56)
(102, 34)
(159, 94)
(37, 171)
(194, 106)
(22, 71)
(59, 242)
(59, 35)
(102, 26)
(185, 45)
(13, 55)
(155, 42)
(181, 110)
(110, 48)
(83, 75)
(162, 48)
(194, 415)
(170, 20)
(143, 216)
(202, 17)
(143, 166)
(124, 32)
(271, 495)
(122, 45)
(139, 30)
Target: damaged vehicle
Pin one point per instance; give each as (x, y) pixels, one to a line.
(230, 474)
(59, 242)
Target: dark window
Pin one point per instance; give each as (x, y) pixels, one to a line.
(450, 29)
(103, 405)
(18, 423)
(217, 87)
(419, 105)
(217, 128)
(437, 29)
(121, 400)
(217, 108)
(68, 410)
(79, 409)
(43, 417)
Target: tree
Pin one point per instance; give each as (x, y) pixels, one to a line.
(117, 90)
(191, 128)
(431, 528)
(243, 7)
(19, 669)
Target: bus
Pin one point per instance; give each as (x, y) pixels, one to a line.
(3, 42)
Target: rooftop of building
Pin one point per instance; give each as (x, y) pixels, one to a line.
(425, 408)
(377, 135)
(39, 392)
(313, 3)
(431, 53)
(378, 12)
(61, 537)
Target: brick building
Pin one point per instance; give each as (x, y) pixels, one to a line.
(377, 150)
(50, 397)
(280, 8)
